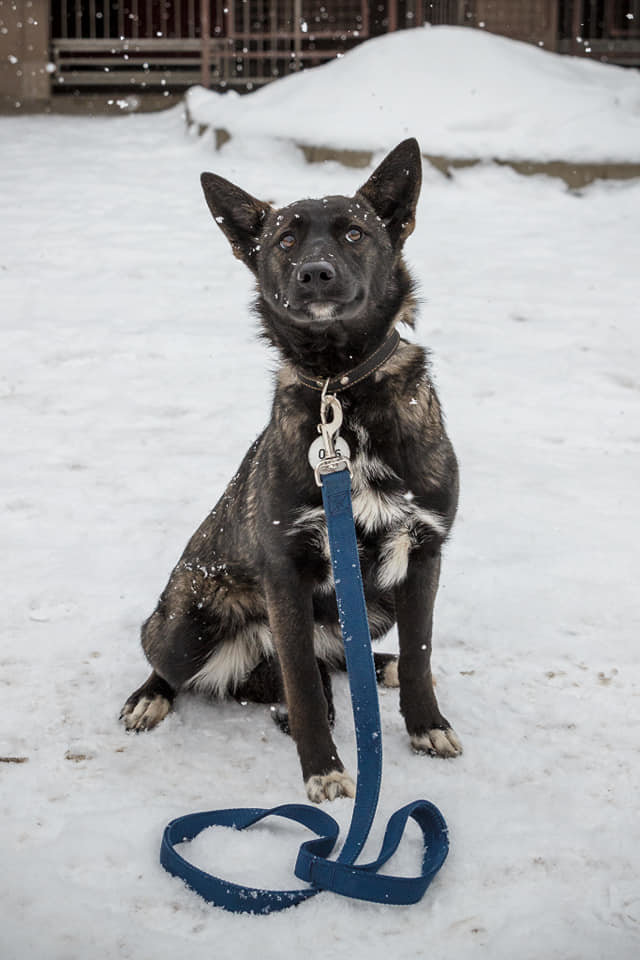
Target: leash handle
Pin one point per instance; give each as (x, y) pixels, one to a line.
(343, 876)
(363, 881)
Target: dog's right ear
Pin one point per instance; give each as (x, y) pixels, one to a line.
(239, 215)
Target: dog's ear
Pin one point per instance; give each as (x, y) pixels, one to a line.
(393, 189)
(239, 215)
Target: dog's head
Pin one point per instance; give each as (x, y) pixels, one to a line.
(330, 273)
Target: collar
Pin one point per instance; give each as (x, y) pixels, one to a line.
(350, 377)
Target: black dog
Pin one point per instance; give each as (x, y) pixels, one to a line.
(249, 610)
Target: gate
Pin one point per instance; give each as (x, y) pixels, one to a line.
(159, 44)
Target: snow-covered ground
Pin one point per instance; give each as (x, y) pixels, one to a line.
(132, 381)
(462, 92)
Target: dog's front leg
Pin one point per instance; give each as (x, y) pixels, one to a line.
(290, 612)
(430, 732)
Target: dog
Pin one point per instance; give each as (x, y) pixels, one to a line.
(249, 610)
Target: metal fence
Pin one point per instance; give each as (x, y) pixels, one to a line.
(244, 43)
(602, 29)
(152, 43)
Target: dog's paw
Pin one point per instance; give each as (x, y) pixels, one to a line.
(390, 674)
(437, 743)
(329, 786)
(280, 716)
(144, 713)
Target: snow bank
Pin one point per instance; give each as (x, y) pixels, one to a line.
(461, 92)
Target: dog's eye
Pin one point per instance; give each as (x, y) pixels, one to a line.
(353, 234)
(287, 241)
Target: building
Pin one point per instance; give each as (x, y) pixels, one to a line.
(52, 49)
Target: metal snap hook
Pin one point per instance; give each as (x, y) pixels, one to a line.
(330, 427)
(329, 453)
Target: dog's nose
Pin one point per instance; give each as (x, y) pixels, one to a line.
(316, 276)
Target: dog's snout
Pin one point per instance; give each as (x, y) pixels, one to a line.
(316, 275)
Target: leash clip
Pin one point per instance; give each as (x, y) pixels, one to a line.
(330, 451)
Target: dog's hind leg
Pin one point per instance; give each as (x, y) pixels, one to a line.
(172, 642)
(386, 665)
(264, 685)
(177, 645)
(148, 705)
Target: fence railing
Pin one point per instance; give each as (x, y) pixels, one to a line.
(244, 43)
(602, 29)
(225, 42)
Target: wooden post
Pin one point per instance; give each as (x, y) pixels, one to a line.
(364, 30)
(577, 29)
(553, 31)
(392, 16)
(297, 33)
(205, 45)
(24, 54)
(229, 58)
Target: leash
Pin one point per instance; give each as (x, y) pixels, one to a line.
(342, 875)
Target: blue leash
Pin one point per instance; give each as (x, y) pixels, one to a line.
(343, 876)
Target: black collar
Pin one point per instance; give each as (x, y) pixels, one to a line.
(348, 379)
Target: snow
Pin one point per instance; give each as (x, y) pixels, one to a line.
(131, 383)
(463, 93)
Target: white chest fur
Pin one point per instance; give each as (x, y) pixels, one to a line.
(392, 518)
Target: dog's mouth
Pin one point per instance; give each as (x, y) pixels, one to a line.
(322, 312)
(319, 314)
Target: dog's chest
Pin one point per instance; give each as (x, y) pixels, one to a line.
(389, 520)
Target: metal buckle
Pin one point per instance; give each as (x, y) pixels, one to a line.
(329, 429)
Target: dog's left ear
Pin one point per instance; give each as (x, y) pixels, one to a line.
(239, 215)
(393, 190)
